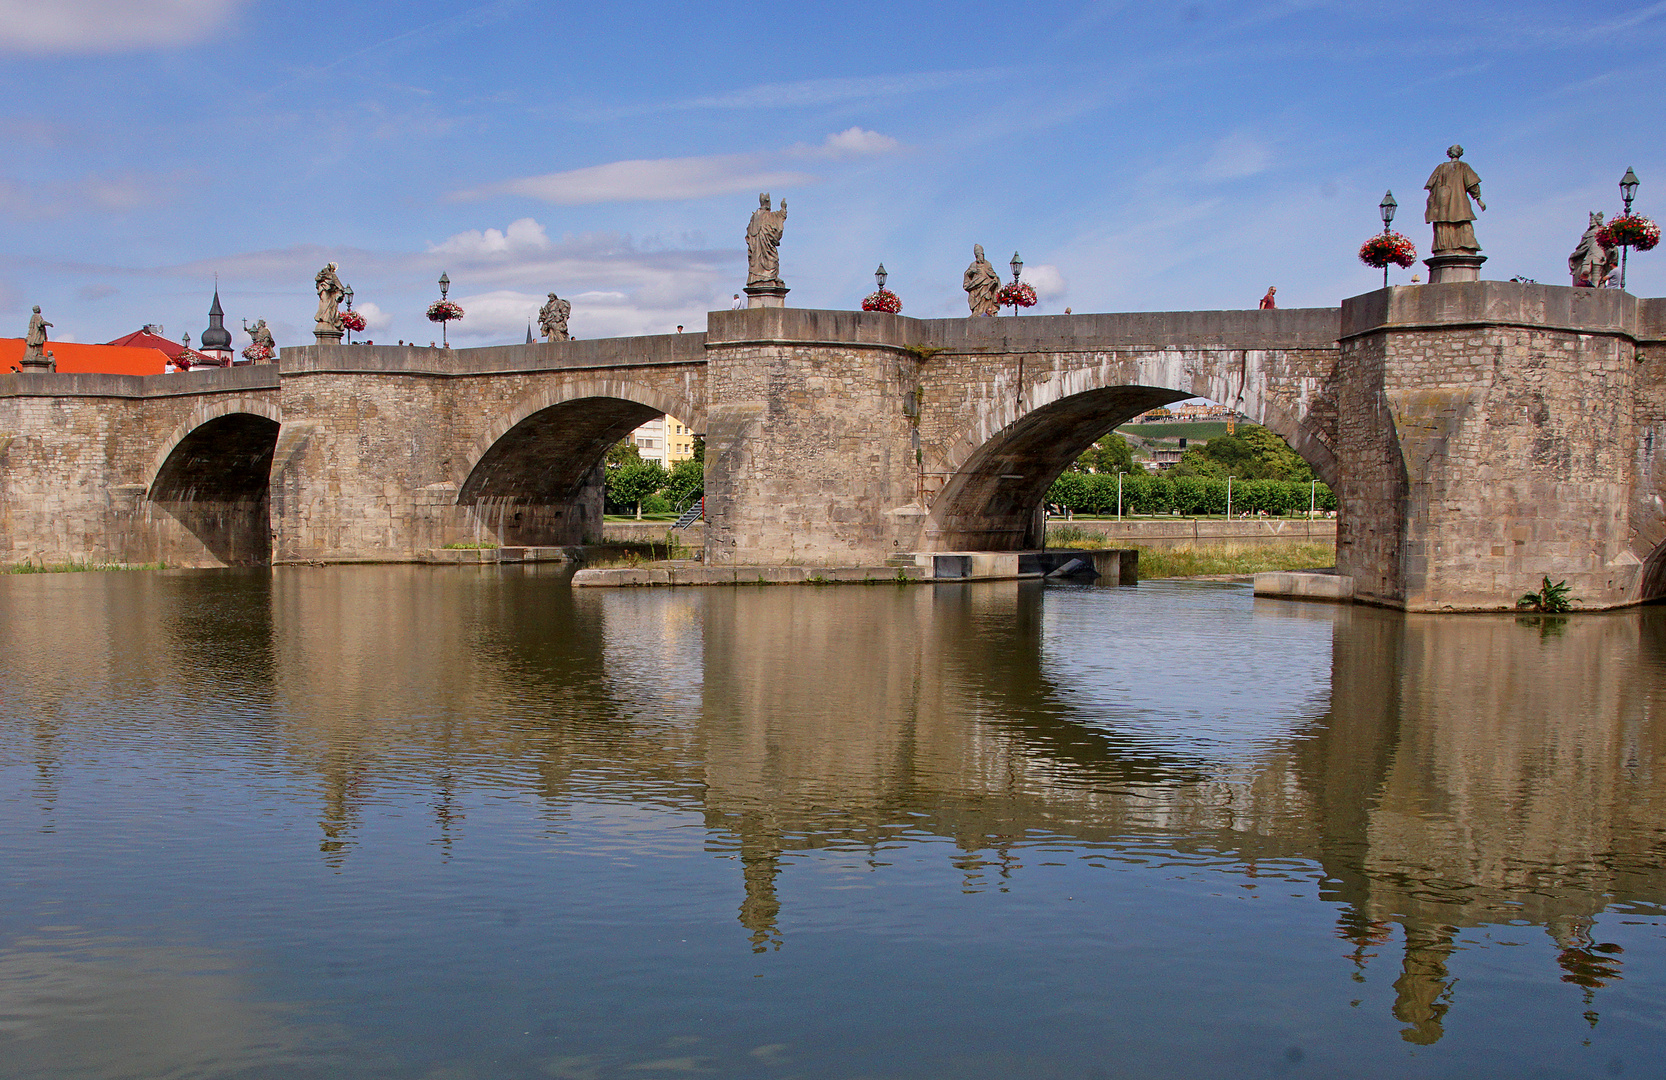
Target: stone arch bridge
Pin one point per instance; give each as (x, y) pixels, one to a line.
(1478, 435)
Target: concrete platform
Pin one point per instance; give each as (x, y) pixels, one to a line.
(493, 556)
(1306, 585)
(1108, 566)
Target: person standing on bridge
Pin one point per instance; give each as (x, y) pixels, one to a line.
(1267, 302)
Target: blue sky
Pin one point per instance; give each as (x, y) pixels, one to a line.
(1139, 156)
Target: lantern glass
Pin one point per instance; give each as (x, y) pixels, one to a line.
(1017, 266)
(1387, 208)
(880, 275)
(445, 283)
(1628, 186)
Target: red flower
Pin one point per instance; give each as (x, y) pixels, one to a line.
(883, 300)
(444, 311)
(1629, 230)
(352, 320)
(1017, 295)
(255, 353)
(1385, 248)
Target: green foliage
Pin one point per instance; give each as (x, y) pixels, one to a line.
(700, 449)
(1550, 599)
(624, 452)
(656, 504)
(687, 482)
(1256, 454)
(1145, 494)
(630, 483)
(1108, 455)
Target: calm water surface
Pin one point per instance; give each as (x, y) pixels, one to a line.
(421, 822)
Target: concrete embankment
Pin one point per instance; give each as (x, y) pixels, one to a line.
(1164, 533)
(1108, 565)
(653, 532)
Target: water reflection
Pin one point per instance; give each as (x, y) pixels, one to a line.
(1435, 774)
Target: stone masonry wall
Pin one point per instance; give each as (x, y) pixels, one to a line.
(79, 452)
(1485, 444)
(379, 443)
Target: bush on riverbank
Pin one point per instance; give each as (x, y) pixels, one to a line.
(1189, 496)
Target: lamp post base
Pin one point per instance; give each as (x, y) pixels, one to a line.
(1448, 266)
(766, 296)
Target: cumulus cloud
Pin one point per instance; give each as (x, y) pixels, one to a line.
(1048, 283)
(521, 236)
(662, 179)
(374, 317)
(107, 26)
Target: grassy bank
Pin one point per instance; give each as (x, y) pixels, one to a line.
(1210, 560)
(77, 568)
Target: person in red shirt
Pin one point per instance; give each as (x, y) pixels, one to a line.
(1267, 302)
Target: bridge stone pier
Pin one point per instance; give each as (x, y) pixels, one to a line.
(1479, 436)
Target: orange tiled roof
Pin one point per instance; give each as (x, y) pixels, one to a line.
(74, 357)
(141, 339)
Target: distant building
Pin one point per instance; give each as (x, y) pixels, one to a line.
(665, 439)
(215, 342)
(75, 358)
(1185, 414)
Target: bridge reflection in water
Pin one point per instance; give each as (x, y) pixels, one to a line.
(1434, 775)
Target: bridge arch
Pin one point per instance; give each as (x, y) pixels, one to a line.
(212, 479)
(996, 473)
(534, 476)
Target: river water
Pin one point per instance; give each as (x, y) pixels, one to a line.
(441, 823)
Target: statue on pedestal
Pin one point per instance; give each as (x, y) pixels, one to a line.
(34, 342)
(982, 284)
(1592, 262)
(552, 319)
(330, 294)
(1450, 187)
(763, 243)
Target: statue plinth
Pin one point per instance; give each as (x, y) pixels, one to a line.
(766, 295)
(327, 337)
(37, 362)
(1446, 266)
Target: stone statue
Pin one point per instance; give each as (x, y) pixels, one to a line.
(1591, 262)
(262, 335)
(34, 342)
(1451, 186)
(552, 319)
(982, 284)
(763, 243)
(330, 294)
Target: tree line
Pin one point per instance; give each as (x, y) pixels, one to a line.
(647, 487)
(1266, 476)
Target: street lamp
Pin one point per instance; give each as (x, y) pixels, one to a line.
(445, 284)
(347, 294)
(1119, 475)
(1386, 208)
(1229, 498)
(445, 324)
(1017, 265)
(1313, 500)
(1628, 191)
(879, 276)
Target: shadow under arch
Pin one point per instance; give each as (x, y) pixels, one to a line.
(536, 477)
(1653, 587)
(215, 482)
(998, 476)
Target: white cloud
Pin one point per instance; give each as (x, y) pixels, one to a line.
(522, 235)
(1239, 154)
(662, 179)
(113, 192)
(106, 26)
(374, 317)
(1048, 283)
(855, 142)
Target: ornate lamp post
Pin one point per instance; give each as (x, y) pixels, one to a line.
(1017, 265)
(880, 275)
(1386, 208)
(445, 287)
(347, 295)
(1628, 191)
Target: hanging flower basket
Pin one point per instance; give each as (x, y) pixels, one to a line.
(353, 321)
(883, 300)
(256, 353)
(1385, 248)
(1017, 295)
(444, 311)
(1629, 230)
